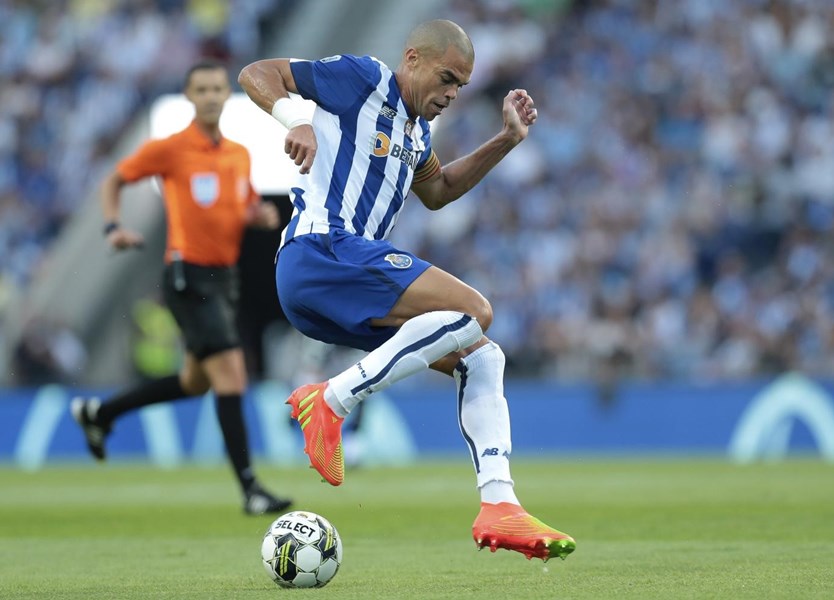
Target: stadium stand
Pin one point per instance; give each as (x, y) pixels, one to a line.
(669, 217)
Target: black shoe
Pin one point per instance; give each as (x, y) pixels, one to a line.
(84, 411)
(260, 502)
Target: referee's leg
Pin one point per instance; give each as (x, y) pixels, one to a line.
(226, 370)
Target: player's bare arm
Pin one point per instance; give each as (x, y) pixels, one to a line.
(461, 175)
(268, 81)
(265, 81)
(118, 236)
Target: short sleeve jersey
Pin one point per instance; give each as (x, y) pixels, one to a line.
(370, 150)
(207, 191)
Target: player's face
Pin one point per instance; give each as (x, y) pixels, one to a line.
(208, 90)
(437, 81)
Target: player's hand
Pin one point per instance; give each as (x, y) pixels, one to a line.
(122, 239)
(519, 113)
(263, 215)
(301, 145)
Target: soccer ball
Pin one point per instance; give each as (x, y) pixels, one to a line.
(301, 550)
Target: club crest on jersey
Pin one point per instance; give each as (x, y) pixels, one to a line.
(205, 188)
(401, 261)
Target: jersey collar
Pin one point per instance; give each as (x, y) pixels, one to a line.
(200, 138)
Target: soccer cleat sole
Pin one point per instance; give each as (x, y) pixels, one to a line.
(544, 548)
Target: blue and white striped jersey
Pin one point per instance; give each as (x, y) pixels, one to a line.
(368, 149)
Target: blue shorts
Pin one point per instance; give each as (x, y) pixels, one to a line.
(331, 285)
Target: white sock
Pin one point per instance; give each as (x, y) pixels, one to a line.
(495, 492)
(484, 421)
(418, 343)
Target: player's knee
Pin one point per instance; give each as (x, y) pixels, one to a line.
(481, 311)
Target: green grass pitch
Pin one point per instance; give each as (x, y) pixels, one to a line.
(644, 529)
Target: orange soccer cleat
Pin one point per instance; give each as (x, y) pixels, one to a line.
(322, 431)
(509, 526)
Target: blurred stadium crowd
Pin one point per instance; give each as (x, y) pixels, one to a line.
(669, 215)
(74, 74)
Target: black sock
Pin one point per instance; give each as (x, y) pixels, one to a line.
(153, 392)
(230, 417)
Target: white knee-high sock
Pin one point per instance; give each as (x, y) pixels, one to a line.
(418, 343)
(484, 421)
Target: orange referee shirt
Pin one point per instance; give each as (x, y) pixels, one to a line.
(207, 191)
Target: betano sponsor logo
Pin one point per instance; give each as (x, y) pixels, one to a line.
(382, 147)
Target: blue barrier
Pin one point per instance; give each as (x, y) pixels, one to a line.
(747, 421)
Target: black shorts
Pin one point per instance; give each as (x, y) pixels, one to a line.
(204, 302)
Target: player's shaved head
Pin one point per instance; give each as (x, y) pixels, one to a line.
(437, 61)
(434, 37)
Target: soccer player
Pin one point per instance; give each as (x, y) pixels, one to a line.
(341, 282)
(209, 200)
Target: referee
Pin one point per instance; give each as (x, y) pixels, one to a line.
(209, 200)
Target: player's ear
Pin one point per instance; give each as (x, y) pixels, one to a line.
(411, 57)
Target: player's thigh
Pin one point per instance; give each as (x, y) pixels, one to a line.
(435, 289)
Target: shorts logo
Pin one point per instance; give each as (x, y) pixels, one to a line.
(205, 188)
(401, 261)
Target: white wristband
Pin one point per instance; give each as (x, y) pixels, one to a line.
(290, 113)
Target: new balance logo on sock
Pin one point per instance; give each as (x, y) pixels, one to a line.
(494, 452)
